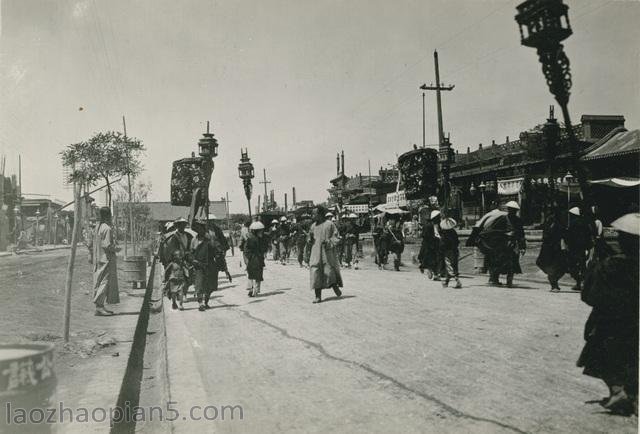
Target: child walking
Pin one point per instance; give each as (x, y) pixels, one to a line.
(175, 277)
(449, 252)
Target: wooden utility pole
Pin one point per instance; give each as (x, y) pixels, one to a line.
(439, 87)
(227, 206)
(77, 224)
(265, 182)
(131, 231)
(423, 122)
(443, 145)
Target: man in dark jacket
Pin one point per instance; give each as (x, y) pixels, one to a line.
(579, 240)
(611, 332)
(552, 259)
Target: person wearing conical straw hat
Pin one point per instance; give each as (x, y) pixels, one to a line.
(449, 252)
(610, 352)
(255, 250)
(503, 244)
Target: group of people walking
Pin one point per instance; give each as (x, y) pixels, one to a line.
(320, 241)
(192, 260)
(606, 274)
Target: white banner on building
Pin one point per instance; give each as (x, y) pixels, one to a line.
(358, 209)
(509, 186)
(397, 199)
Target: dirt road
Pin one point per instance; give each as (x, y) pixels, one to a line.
(396, 353)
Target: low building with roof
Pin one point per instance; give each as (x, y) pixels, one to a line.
(519, 169)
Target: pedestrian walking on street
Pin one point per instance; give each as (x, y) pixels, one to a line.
(244, 233)
(503, 242)
(221, 244)
(579, 240)
(201, 258)
(255, 250)
(429, 256)
(180, 241)
(300, 235)
(610, 352)
(552, 259)
(380, 243)
(175, 278)
(449, 252)
(284, 234)
(163, 250)
(105, 269)
(351, 241)
(396, 242)
(323, 264)
(274, 237)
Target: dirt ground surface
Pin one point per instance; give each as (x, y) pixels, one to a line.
(397, 353)
(90, 367)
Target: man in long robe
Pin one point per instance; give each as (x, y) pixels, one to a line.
(323, 262)
(502, 242)
(105, 271)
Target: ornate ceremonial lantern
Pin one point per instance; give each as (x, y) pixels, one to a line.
(191, 177)
(419, 170)
(208, 145)
(246, 173)
(543, 25)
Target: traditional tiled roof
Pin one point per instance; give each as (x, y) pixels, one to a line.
(618, 142)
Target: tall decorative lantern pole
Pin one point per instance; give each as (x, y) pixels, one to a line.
(245, 170)
(544, 24)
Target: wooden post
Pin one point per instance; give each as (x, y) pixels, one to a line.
(77, 224)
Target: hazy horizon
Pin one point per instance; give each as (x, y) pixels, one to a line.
(294, 82)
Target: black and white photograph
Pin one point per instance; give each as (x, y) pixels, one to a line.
(319, 216)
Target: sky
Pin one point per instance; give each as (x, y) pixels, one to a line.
(295, 82)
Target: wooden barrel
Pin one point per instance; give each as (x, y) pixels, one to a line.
(27, 382)
(133, 269)
(478, 260)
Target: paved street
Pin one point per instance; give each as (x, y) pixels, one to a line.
(396, 353)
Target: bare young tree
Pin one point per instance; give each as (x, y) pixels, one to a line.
(105, 156)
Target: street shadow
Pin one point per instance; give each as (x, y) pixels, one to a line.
(283, 289)
(597, 401)
(336, 298)
(505, 287)
(125, 313)
(233, 276)
(223, 306)
(269, 294)
(222, 288)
